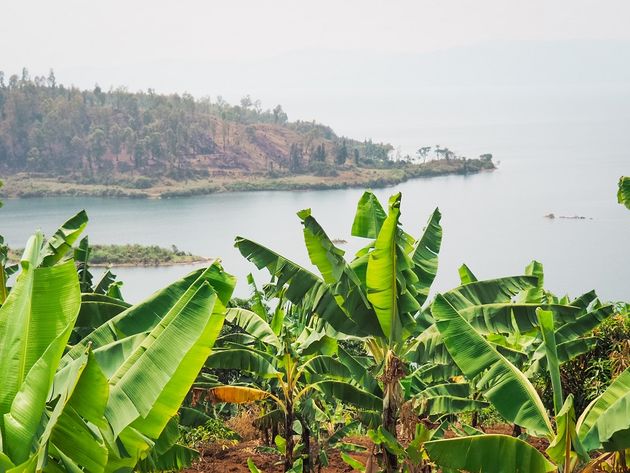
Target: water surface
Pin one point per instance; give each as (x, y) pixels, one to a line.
(559, 152)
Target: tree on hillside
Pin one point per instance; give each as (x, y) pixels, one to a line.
(342, 153)
(296, 158)
(278, 115)
(34, 159)
(52, 81)
(138, 153)
(97, 147)
(320, 153)
(116, 138)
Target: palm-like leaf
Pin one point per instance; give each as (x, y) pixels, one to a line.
(144, 387)
(35, 323)
(501, 382)
(369, 217)
(606, 422)
(300, 281)
(237, 394)
(253, 324)
(61, 242)
(390, 281)
(488, 454)
(425, 256)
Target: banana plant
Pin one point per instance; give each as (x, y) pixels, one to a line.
(374, 297)
(504, 312)
(291, 365)
(107, 284)
(511, 393)
(105, 403)
(6, 270)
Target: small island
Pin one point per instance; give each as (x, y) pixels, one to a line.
(133, 255)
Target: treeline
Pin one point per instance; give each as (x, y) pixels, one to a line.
(49, 128)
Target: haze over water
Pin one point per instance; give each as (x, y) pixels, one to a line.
(561, 149)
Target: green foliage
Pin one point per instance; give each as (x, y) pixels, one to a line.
(488, 454)
(93, 383)
(134, 254)
(109, 400)
(214, 430)
(587, 375)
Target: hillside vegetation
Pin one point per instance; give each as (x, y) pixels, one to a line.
(55, 139)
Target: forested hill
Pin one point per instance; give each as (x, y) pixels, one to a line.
(96, 135)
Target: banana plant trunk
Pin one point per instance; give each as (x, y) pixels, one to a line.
(306, 441)
(288, 432)
(274, 431)
(393, 371)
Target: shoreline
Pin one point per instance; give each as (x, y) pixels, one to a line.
(23, 186)
(142, 265)
(131, 256)
(200, 260)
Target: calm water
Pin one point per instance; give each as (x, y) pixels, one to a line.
(566, 159)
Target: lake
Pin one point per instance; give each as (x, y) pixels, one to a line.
(565, 158)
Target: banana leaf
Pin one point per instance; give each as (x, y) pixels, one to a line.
(143, 317)
(348, 393)
(191, 417)
(369, 217)
(425, 256)
(61, 242)
(488, 454)
(35, 324)
(545, 319)
(242, 359)
(466, 276)
(237, 394)
(149, 386)
(500, 382)
(253, 324)
(390, 281)
(343, 283)
(606, 421)
(326, 366)
(299, 280)
(82, 256)
(566, 439)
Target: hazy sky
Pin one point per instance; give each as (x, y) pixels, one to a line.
(80, 34)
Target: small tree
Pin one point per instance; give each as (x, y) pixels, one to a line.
(296, 158)
(116, 138)
(320, 153)
(342, 153)
(98, 144)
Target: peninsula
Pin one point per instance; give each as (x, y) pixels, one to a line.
(58, 140)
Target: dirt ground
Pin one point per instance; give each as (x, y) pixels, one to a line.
(232, 458)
